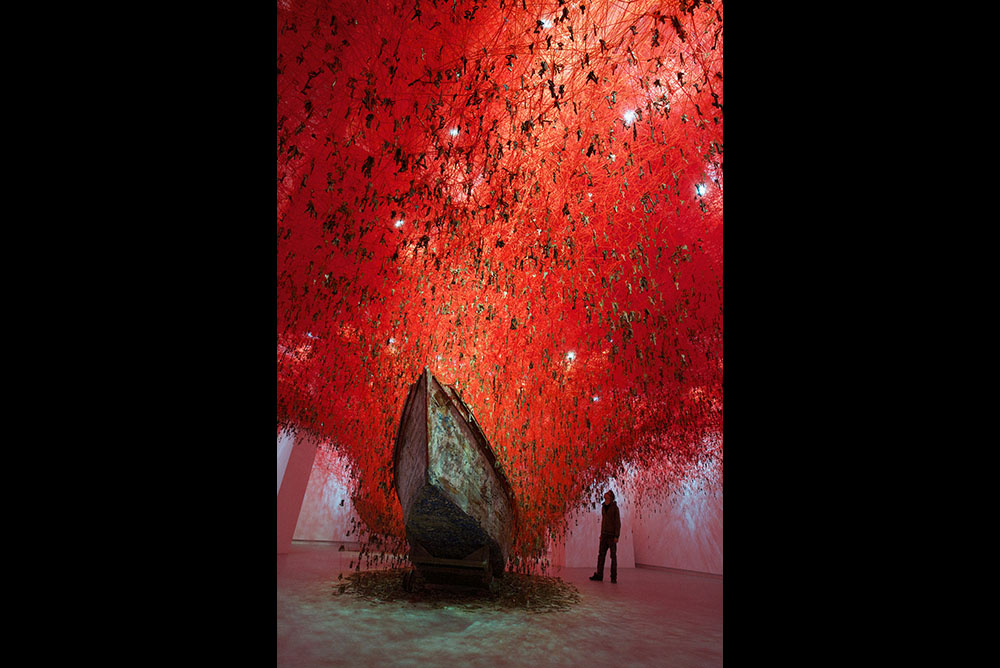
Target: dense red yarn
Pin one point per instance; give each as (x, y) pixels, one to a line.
(525, 197)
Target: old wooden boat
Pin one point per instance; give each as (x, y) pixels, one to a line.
(458, 505)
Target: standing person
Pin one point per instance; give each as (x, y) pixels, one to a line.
(611, 527)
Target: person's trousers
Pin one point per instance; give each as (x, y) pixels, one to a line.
(608, 542)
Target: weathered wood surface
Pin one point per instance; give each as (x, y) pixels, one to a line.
(455, 499)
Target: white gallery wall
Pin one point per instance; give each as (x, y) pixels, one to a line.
(681, 531)
(327, 513)
(580, 546)
(296, 455)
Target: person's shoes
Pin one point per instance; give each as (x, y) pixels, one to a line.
(614, 580)
(595, 577)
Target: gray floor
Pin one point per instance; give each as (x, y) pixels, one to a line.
(651, 617)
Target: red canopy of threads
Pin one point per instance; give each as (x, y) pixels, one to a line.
(523, 196)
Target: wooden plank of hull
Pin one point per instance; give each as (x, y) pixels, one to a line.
(455, 499)
(410, 454)
(440, 527)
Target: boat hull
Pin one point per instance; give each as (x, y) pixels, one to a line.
(458, 506)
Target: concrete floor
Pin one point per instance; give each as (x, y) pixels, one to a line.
(651, 617)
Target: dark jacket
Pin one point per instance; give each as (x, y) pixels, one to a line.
(611, 522)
